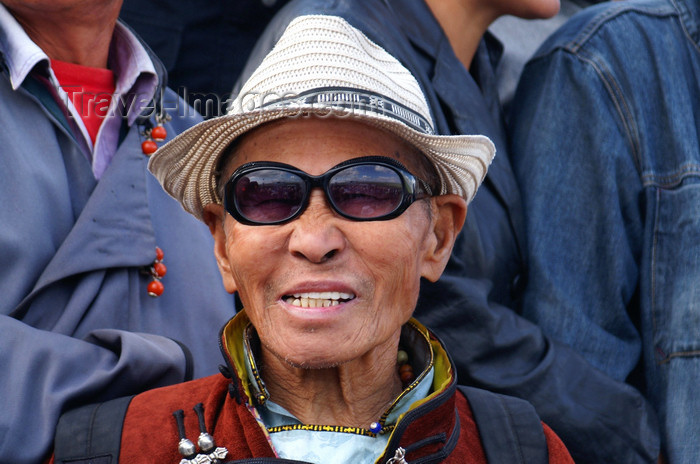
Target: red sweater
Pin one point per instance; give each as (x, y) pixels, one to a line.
(89, 89)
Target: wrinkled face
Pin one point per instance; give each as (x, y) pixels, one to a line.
(323, 290)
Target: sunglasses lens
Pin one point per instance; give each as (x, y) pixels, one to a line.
(267, 196)
(366, 191)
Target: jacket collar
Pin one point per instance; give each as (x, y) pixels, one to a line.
(138, 76)
(19, 52)
(469, 97)
(690, 15)
(420, 26)
(239, 344)
(426, 34)
(439, 404)
(131, 61)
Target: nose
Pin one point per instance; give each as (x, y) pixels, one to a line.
(316, 236)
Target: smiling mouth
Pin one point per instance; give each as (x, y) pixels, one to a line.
(317, 299)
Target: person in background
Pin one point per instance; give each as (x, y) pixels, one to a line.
(474, 306)
(87, 233)
(203, 44)
(606, 147)
(328, 154)
(521, 38)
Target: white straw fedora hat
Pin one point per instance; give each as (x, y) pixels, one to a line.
(321, 65)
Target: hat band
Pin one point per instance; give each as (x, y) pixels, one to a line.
(348, 100)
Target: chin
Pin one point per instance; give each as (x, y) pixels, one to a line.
(315, 364)
(547, 9)
(310, 355)
(540, 9)
(311, 360)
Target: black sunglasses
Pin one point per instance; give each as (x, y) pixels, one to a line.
(373, 188)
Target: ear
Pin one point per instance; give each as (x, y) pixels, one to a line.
(214, 216)
(449, 212)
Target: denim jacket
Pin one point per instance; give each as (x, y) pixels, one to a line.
(606, 145)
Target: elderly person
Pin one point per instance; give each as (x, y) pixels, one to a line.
(474, 306)
(328, 197)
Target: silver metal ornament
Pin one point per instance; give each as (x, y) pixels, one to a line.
(186, 448)
(206, 442)
(398, 457)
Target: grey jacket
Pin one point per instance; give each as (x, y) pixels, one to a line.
(76, 322)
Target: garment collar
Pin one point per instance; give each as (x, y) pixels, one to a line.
(429, 353)
(134, 69)
(421, 27)
(130, 61)
(128, 58)
(425, 32)
(20, 54)
(690, 15)
(409, 430)
(136, 84)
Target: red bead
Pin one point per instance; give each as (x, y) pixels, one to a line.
(159, 254)
(405, 368)
(155, 288)
(406, 376)
(159, 133)
(406, 373)
(160, 269)
(149, 147)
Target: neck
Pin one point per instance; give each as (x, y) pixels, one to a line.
(353, 394)
(75, 34)
(464, 23)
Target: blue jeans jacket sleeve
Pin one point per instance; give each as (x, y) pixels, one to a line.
(582, 213)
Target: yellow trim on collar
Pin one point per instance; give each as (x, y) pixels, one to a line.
(234, 333)
(442, 368)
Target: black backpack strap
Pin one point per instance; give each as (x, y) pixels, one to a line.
(510, 429)
(91, 434)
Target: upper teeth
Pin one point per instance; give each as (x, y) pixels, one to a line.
(317, 299)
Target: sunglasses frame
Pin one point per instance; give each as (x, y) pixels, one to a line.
(413, 187)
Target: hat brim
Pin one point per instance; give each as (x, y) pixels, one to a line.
(186, 166)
